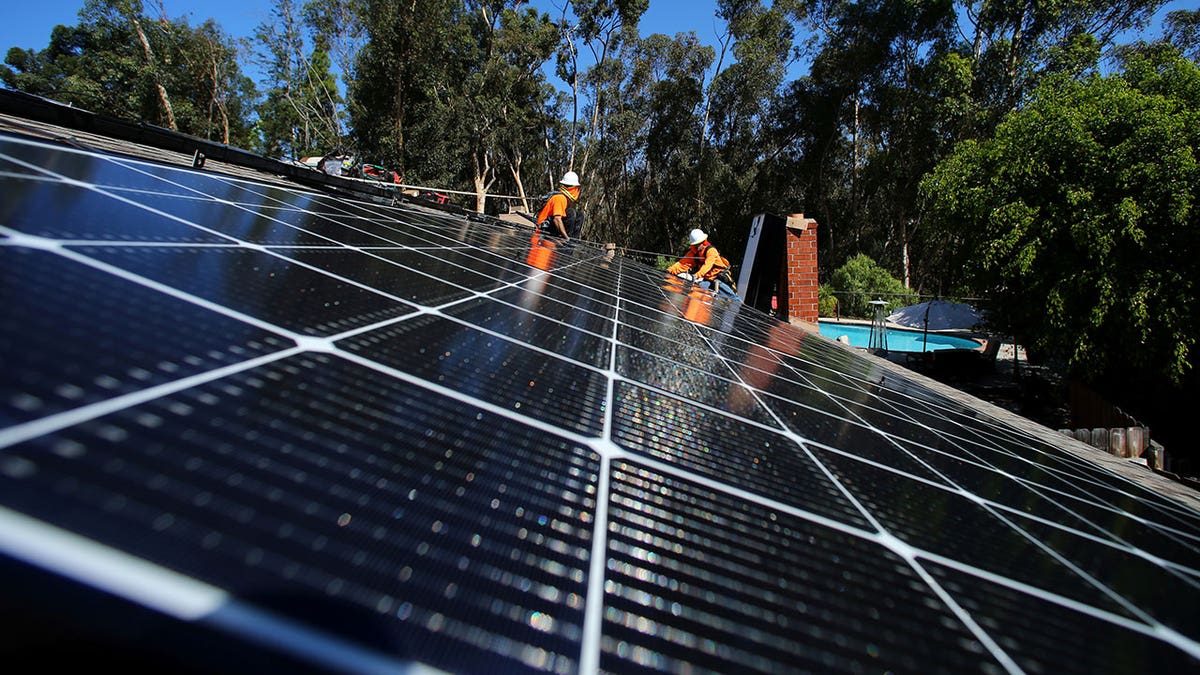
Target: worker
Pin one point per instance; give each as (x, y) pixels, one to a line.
(705, 266)
(559, 216)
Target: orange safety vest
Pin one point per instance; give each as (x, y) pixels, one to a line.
(697, 257)
(561, 203)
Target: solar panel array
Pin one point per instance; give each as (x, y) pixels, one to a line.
(369, 437)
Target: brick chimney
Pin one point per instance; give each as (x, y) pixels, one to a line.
(800, 269)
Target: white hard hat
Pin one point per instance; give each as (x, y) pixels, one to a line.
(570, 179)
(696, 236)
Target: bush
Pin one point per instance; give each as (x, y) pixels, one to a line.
(861, 280)
(827, 302)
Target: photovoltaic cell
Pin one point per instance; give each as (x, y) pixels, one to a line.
(349, 502)
(404, 281)
(1050, 637)
(562, 333)
(62, 211)
(730, 586)
(365, 435)
(490, 368)
(258, 285)
(720, 448)
(74, 335)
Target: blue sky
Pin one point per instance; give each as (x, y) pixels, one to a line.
(30, 26)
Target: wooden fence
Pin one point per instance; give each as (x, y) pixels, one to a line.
(1130, 442)
(1106, 427)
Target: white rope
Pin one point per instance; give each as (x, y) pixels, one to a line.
(431, 189)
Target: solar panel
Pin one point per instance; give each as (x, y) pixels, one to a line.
(250, 427)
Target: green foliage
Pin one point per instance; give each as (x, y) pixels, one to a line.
(827, 302)
(303, 113)
(120, 62)
(668, 134)
(452, 93)
(643, 158)
(859, 281)
(1079, 219)
(1183, 31)
(395, 72)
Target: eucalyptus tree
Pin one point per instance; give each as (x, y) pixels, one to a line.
(303, 111)
(124, 23)
(122, 62)
(602, 27)
(524, 140)
(1012, 44)
(868, 121)
(108, 63)
(465, 103)
(281, 44)
(396, 70)
(742, 100)
(501, 90)
(678, 138)
(646, 156)
(337, 25)
(894, 85)
(1182, 29)
(52, 72)
(213, 97)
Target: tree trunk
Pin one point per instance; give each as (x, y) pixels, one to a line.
(854, 170)
(483, 168)
(514, 166)
(163, 99)
(218, 101)
(1014, 51)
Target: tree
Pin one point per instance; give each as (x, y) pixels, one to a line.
(602, 27)
(120, 62)
(213, 99)
(48, 72)
(894, 85)
(1079, 220)
(395, 71)
(303, 111)
(336, 25)
(872, 117)
(859, 281)
(1183, 31)
(741, 102)
(502, 90)
(465, 98)
(645, 158)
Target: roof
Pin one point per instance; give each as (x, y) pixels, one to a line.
(249, 423)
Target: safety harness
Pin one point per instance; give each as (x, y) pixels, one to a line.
(722, 276)
(572, 219)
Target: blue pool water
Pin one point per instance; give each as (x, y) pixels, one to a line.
(898, 339)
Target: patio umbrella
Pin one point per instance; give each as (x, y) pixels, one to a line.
(938, 315)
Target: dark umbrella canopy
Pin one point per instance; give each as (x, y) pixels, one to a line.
(938, 315)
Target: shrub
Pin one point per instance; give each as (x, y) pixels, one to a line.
(827, 302)
(859, 281)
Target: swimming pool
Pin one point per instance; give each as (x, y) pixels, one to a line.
(898, 339)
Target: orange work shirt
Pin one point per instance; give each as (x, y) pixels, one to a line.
(557, 204)
(704, 259)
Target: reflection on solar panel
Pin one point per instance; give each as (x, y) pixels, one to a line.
(252, 427)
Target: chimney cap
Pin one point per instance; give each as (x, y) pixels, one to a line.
(797, 221)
